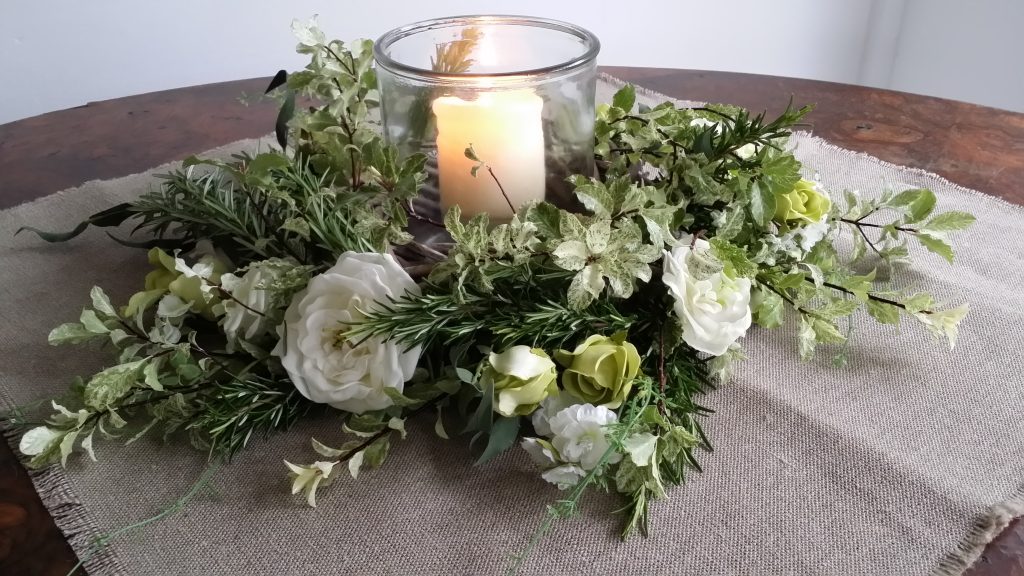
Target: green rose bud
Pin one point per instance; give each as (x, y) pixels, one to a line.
(600, 370)
(166, 277)
(804, 204)
(522, 376)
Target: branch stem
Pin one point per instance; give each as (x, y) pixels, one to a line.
(860, 224)
(366, 443)
(417, 216)
(501, 188)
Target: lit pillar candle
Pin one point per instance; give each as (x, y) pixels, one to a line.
(505, 131)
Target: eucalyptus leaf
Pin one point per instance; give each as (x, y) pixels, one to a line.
(502, 436)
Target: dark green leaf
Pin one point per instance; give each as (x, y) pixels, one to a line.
(280, 78)
(502, 437)
(166, 244)
(283, 117)
(110, 217)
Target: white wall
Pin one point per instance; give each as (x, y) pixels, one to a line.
(964, 50)
(60, 53)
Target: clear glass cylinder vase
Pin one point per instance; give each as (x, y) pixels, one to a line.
(503, 106)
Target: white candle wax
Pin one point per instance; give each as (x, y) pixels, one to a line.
(505, 131)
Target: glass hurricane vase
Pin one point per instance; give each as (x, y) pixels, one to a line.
(503, 107)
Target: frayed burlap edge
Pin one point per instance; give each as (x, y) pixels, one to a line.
(985, 529)
(51, 483)
(69, 514)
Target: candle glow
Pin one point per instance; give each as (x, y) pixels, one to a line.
(504, 128)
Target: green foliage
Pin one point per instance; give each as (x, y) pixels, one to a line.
(438, 317)
(912, 209)
(549, 278)
(244, 406)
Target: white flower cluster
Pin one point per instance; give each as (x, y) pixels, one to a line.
(576, 440)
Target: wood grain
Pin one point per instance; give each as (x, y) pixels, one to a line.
(978, 147)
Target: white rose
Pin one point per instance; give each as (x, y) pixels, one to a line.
(324, 367)
(713, 308)
(579, 434)
(245, 313)
(746, 151)
(705, 123)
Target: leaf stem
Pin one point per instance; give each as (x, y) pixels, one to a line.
(661, 368)
(868, 240)
(171, 510)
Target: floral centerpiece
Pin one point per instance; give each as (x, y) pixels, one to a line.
(288, 281)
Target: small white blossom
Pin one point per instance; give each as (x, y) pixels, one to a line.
(579, 434)
(541, 452)
(565, 476)
(550, 406)
(308, 478)
(246, 312)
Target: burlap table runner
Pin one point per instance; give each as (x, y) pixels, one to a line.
(906, 461)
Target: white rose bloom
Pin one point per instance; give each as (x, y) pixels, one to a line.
(713, 308)
(330, 371)
(579, 434)
(245, 314)
(565, 476)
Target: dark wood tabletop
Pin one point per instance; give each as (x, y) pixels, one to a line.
(975, 146)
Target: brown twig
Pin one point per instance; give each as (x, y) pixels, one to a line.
(224, 293)
(411, 211)
(501, 188)
(425, 250)
(696, 235)
(366, 443)
(858, 224)
(870, 296)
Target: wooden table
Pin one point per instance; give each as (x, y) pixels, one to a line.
(978, 147)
